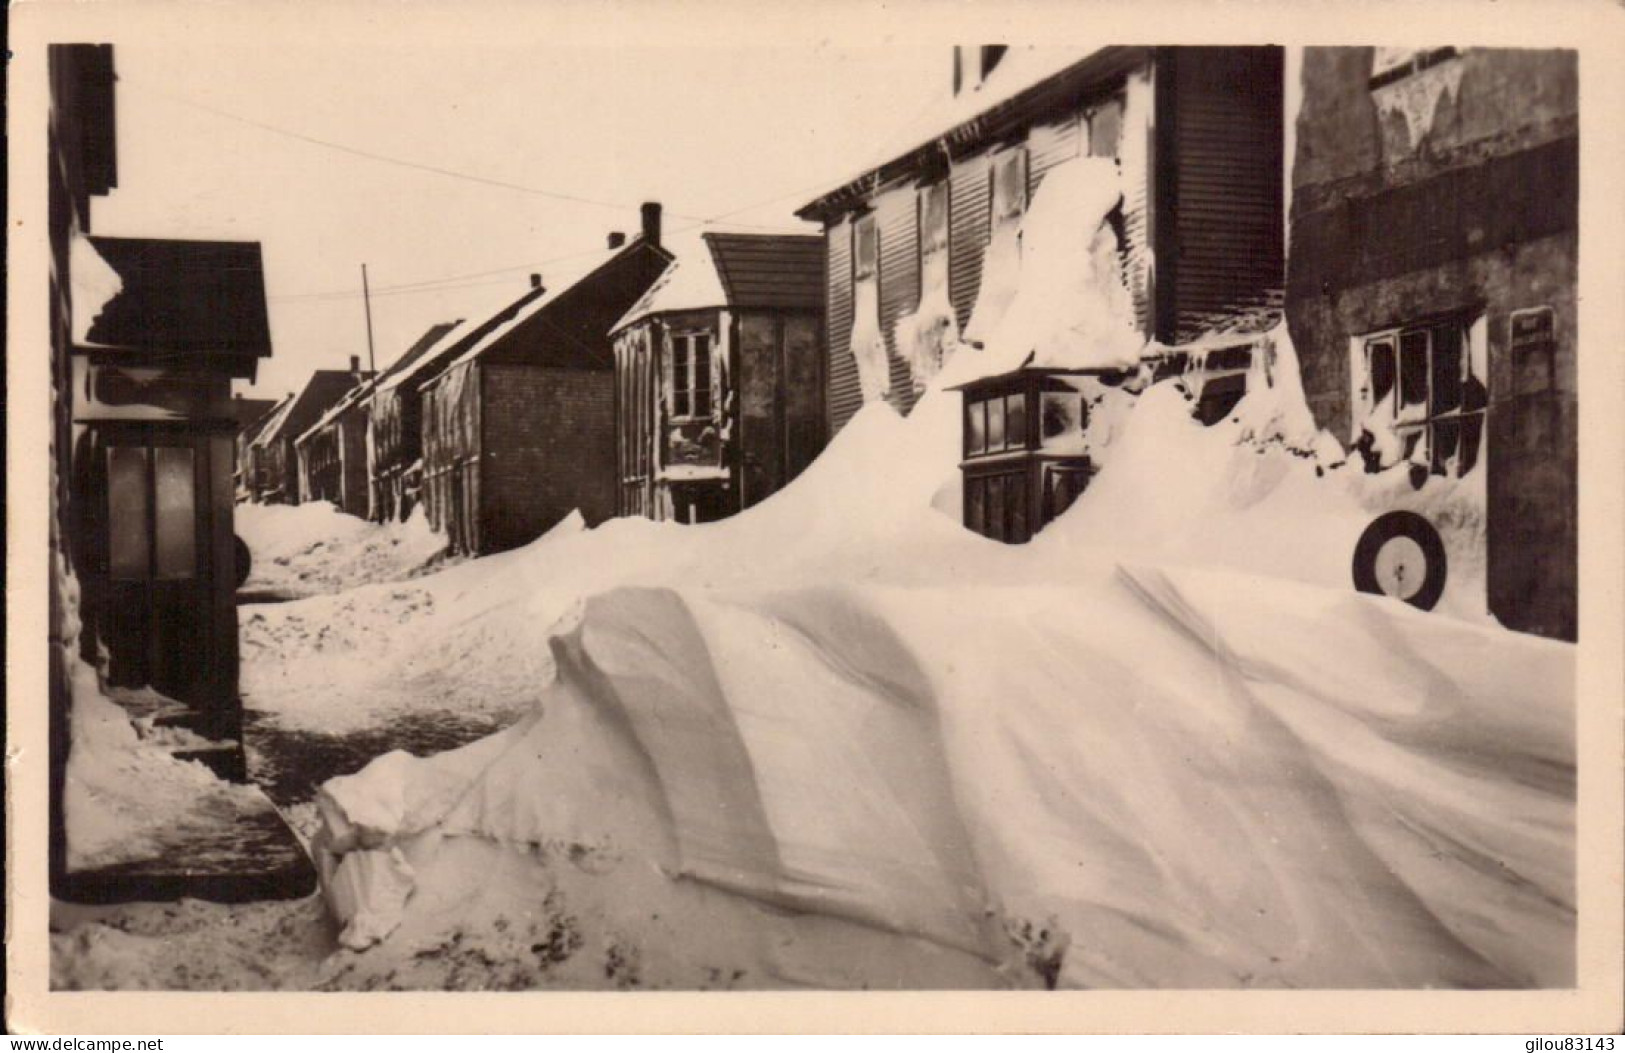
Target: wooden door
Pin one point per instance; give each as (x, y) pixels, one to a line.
(158, 562)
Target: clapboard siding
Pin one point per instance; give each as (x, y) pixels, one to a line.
(1225, 184)
(968, 210)
(898, 218)
(845, 398)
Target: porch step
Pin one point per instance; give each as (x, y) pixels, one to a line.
(236, 857)
(226, 760)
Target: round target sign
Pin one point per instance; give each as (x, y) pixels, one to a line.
(1401, 555)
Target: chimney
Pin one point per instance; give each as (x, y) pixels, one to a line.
(616, 239)
(355, 363)
(535, 281)
(959, 67)
(991, 54)
(651, 222)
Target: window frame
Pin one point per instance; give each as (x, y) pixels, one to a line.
(1421, 432)
(866, 228)
(152, 569)
(932, 248)
(1011, 159)
(686, 393)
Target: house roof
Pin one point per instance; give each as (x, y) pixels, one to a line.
(560, 313)
(248, 412)
(325, 387)
(724, 269)
(187, 297)
(1028, 83)
(271, 424)
(432, 336)
(449, 346)
(333, 412)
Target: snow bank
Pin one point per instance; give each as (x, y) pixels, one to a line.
(840, 721)
(1154, 768)
(311, 548)
(129, 800)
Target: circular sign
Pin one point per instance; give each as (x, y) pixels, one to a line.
(1401, 555)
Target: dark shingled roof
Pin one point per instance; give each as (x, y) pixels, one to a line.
(203, 297)
(325, 387)
(247, 412)
(770, 270)
(428, 340)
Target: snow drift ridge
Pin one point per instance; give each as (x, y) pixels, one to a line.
(1177, 804)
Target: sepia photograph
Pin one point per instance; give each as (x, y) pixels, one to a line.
(743, 511)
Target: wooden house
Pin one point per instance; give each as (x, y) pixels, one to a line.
(520, 430)
(935, 229)
(1195, 131)
(332, 454)
(146, 337)
(273, 456)
(395, 408)
(719, 377)
(1432, 298)
(334, 460)
(251, 415)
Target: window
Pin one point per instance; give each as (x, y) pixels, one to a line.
(1392, 64)
(933, 232)
(691, 374)
(1104, 126)
(152, 514)
(1009, 187)
(868, 343)
(996, 424)
(1420, 395)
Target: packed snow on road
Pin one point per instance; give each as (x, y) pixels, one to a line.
(840, 741)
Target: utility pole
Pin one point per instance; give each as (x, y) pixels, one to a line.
(366, 298)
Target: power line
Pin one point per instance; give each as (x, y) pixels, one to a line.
(460, 281)
(402, 162)
(457, 281)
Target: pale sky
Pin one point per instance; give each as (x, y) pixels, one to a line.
(704, 130)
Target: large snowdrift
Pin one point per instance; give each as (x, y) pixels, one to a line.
(873, 748)
(1159, 769)
(837, 740)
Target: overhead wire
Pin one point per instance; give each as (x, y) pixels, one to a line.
(448, 283)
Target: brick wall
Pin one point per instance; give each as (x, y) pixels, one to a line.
(549, 447)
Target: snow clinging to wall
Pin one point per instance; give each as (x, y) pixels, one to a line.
(1416, 98)
(94, 284)
(928, 335)
(1067, 305)
(868, 345)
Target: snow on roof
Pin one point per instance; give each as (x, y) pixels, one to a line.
(351, 397)
(1021, 68)
(432, 336)
(274, 424)
(417, 358)
(689, 283)
(722, 268)
(575, 275)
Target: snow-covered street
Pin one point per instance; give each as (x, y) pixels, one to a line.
(811, 746)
